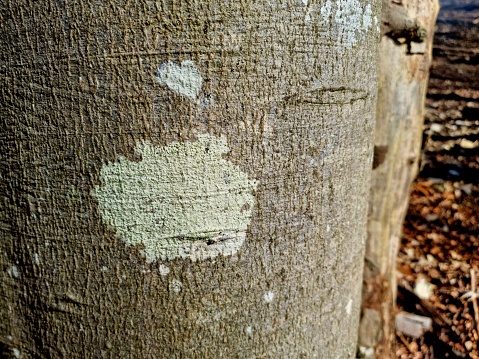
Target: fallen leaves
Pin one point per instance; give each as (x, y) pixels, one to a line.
(437, 259)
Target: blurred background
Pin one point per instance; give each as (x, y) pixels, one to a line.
(439, 251)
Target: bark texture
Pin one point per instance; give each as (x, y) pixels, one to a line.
(111, 110)
(407, 31)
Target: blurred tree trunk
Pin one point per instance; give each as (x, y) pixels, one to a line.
(184, 179)
(407, 30)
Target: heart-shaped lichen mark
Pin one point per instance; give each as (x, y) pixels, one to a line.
(184, 79)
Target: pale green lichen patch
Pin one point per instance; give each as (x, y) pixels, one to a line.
(348, 18)
(181, 200)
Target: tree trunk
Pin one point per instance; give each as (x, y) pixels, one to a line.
(405, 57)
(185, 179)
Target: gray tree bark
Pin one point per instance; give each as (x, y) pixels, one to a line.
(407, 30)
(184, 179)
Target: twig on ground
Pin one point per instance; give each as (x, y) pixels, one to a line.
(474, 298)
(405, 342)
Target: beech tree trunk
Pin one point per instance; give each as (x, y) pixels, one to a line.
(407, 30)
(184, 179)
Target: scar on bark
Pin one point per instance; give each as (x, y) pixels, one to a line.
(333, 96)
(401, 26)
(380, 153)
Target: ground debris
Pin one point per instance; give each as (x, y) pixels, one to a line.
(412, 325)
(440, 243)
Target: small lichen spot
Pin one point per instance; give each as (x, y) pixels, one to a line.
(249, 330)
(268, 297)
(182, 200)
(13, 271)
(16, 353)
(349, 307)
(164, 270)
(176, 285)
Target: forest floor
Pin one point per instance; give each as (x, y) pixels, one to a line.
(440, 245)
